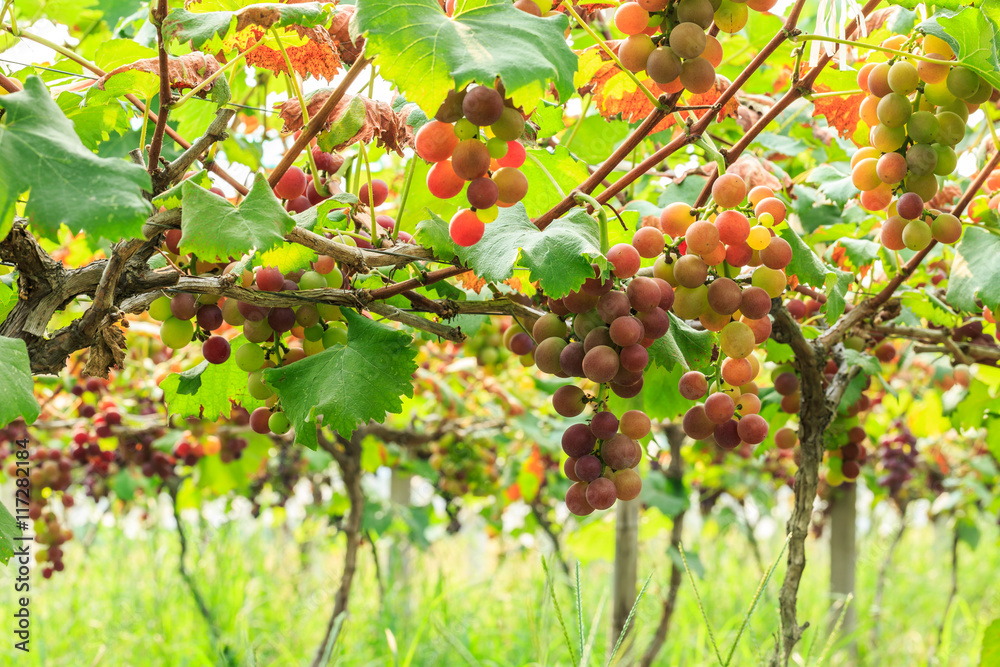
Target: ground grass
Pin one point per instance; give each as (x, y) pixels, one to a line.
(473, 601)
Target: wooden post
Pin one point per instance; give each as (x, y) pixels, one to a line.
(624, 581)
(843, 558)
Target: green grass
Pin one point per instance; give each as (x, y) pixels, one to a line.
(473, 601)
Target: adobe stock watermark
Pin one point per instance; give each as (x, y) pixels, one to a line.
(22, 554)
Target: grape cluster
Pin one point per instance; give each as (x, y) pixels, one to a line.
(298, 188)
(473, 139)
(311, 328)
(898, 457)
(669, 41)
(844, 464)
(714, 252)
(489, 345)
(917, 114)
(464, 466)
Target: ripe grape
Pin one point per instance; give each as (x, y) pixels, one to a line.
(697, 75)
(184, 306)
(281, 319)
(655, 322)
(869, 111)
(761, 328)
(755, 303)
(215, 350)
(547, 355)
(724, 296)
(259, 420)
(514, 157)
(604, 425)
(635, 424)
(951, 128)
(690, 303)
(752, 429)
(377, 196)
(512, 184)
(631, 18)
(600, 364)
(618, 451)
(702, 237)
(690, 271)
(470, 159)
(785, 438)
(676, 218)
(773, 206)
(466, 228)
(687, 40)
(579, 302)
(435, 141)
(269, 279)
(443, 182)
(910, 206)
(892, 233)
(521, 344)
(482, 106)
(571, 359)
(588, 467)
(625, 331)
(729, 191)
(576, 500)
(601, 493)
(634, 358)
(773, 281)
(634, 52)
(625, 259)
(569, 400)
(597, 336)
(663, 65)
(733, 226)
(627, 483)
(891, 168)
(569, 468)
(643, 294)
(727, 435)
(777, 254)
(693, 385)
(719, 407)
(292, 184)
(786, 383)
(648, 242)
(737, 372)
(878, 80)
(696, 423)
(482, 193)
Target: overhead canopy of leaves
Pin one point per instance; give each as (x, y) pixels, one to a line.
(346, 386)
(214, 228)
(425, 53)
(16, 384)
(975, 271)
(40, 152)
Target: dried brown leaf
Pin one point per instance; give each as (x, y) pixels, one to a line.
(183, 73)
(107, 352)
(381, 123)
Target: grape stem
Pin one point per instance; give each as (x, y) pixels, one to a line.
(602, 218)
(371, 194)
(410, 168)
(654, 100)
(805, 37)
(833, 93)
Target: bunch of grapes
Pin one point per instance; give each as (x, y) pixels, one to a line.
(736, 238)
(669, 41)
(310, 328)
(473, 139)
(465, 465)
(917, 114)
(897, 459)
(491, 344)
(844, 464)
(298, 189)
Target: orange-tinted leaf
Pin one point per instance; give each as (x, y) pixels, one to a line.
(388, 127)
(841, 113)
(184, 72)
(341, 35)
(319, 56)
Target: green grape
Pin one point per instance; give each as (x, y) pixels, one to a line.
(957, 107)
(925, 185)
(464, 129)
(772, 281)
(731, 16)
(249, 357)
(947, 160)
(921, 159)
(923, 127)
(689, 304)
(938, 93)
(688, 40)
(887, 139)
(962, 82)
(497, 148)
(736, 340)
(952, 128)
(983, 94)
(278, 423)
(175, 333)
(159, 310)
(510, 126)
(894, 110)
(916, 235)
(663, 65)
(335, 336)
(903, 78)
(257, 388)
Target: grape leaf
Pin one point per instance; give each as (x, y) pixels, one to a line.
(208, 390)
(206, 30)
(41, 152)
(215, 228)
(8, 532)
(991, 645)
(861, 252)
(866, 362)
(973, 34)
(173, 197)
(17, 397)
(424, 53)
(345, 386)
(832, 182)
(142, 78)
(683, 346)
(560, 165)
(975, 272)
(810, 269)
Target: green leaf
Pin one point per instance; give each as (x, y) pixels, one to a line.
(17, 396)
(686, 191)
(810, 269)
(41, 152)
(208, 390)
(973, 35)
(345, 386)
(214, 228)
(143, 85)
(560, 165)
(173, 197)
(424, 53)
(117, 52)
(288, 257)
(93, 124)
(991, 645)
(833, 183)
(930, 308)
(975, 271)
(968, 532)
(860, 251)
(8, 532)
(868, 363)
(682, 345)
(206, 30)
